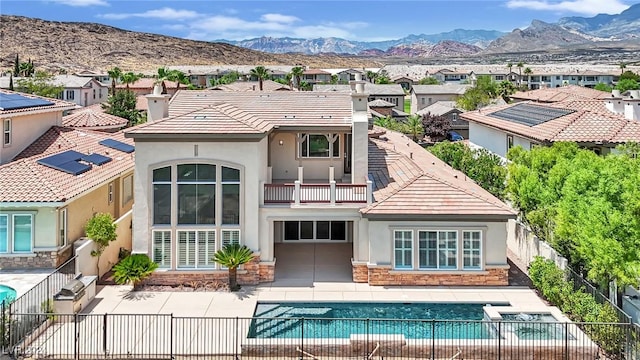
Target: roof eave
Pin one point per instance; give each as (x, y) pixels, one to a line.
(22, 204)
(186, 137)
(439, 217)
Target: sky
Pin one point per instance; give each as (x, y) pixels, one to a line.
(371, 20)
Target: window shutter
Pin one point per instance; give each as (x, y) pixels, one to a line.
(162, 248)
(230, 237)
(186, 248)
(206, 248)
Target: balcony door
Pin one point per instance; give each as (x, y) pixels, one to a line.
(347, 153)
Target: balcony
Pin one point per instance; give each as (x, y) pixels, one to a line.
(332, 193)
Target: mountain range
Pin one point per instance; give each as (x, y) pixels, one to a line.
(568, 31)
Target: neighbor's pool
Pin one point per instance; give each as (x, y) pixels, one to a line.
(7, 294)
(340, 320)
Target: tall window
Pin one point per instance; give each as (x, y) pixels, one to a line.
(6, 132)
(230, 196)
(22, 232)
(127, 189)
(62, 223)
(403, 245)
(4, 233)
(437, 249)
(196, 193)
(94, 94)
(162, 196)
(110, 193)
(509, 142)
(71, 95)
(161, 251)
(447, 249)
(196, 249)
(471, 249)
(428, 249)
(320, 145)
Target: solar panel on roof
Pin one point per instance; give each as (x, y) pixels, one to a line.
(530, 115)
(17, 101)
(66, 162)
(118, 145)
(96, 159)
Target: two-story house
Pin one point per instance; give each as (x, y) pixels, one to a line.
(316, 76)
(276, 170)
(427, 95)
(447, 76)
(392, 93)
(84, 91)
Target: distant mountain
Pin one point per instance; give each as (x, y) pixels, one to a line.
(445, 48)
(480, 38)
(622, 26)
(538, 36)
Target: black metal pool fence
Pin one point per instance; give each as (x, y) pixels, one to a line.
(164, 336)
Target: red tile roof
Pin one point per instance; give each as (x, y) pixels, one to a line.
(409, 180)
(563, 93)
(93, 118)
(24, 180)
(589, 123)
(58, 105)
(267, 85)
(149, 83)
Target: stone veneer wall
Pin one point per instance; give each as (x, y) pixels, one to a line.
(39, 260)
(252, 273)
(387, 276)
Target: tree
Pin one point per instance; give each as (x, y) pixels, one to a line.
(435, 126)
(506, 89)
(603, 87)
(520, 65)
(232, 256)
(528, 72)
(40, 84)
(11, 82)
(123, 104)
(180, 78)
(129, 78)
(115, 73)
(101, 228)
(382, 78)
(27, 69)
(429, 80)
(630, 75)
(623, 66)
(415, 127)
(390, 123)
(162, 75)
(297, 72)
(371, 76)
(510, 66)
(479, 95)
(133, 269)
(16, 66)
(627, 84)
(261, 73)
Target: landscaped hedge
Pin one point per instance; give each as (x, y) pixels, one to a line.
(578, 305)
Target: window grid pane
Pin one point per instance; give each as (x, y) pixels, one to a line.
(403, 241)
(428, 249)
(4, 233)
(447, 250)
(22, 233)
(472, 247)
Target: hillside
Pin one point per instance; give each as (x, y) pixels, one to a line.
(625, 25)
(76, 46)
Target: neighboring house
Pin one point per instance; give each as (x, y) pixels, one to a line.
(44, 208)
(277, 74)
(24, 118)
(380, 108)
(554, 79)
(426, 95)
(447, 76)
(449, 110)
(344, 76)
(392, 93)
(144, 86)
(497, 76)
(557, 94)
(310, 170)
(84, 91)
(586, 122)
(405, 81)
(94, 118)
(315, 76)
(243, 86)
(98, 76)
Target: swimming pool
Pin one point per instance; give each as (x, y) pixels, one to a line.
(341, 320)
(7, 294)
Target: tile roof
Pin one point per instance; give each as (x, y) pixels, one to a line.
(439, 108)
(380, 103)
(409, 180)
(369, 88)
(563, 93)
(94, 118)
(149, 83)
(24, 180)
(221, 118)
(279, 108)
(316, 72)
(440, 89)
(73, 81)
(58, 105)
(267, 85)
(588, 123)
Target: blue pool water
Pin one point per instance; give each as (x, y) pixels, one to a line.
(7, 294)
(340, 320)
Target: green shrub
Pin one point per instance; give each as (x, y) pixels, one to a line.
(133, 270)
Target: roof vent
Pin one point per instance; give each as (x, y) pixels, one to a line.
(289, 116)
(325, 117)
(200, 117)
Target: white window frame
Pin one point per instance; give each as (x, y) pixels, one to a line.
(7, 232)
(62, 226)
(403, 249)
(333, 139)
(164, 262)
(127, 189)
(472, 252)
(447, 249)
(196, 262)
(13, 231)
(6, 132)
(454, 116)
(70, 94)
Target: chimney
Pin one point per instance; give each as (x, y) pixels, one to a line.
(615, 103)
(632, 106)
(157, 106)
(359, 131)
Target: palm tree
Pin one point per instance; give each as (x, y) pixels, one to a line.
(133, 270)
(371, 76)
(180, 78)
(414, 126)
(528, 72)
(26, 69)
(510, 67)
(232, 256)
(163, 75)
(129, 78)
(297, 73)
(623, 66)
(115, 73)
(520, 65)
(261, 73)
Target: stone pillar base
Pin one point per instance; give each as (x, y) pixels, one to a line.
(387, 276)
(267, 271)
(360, 272)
